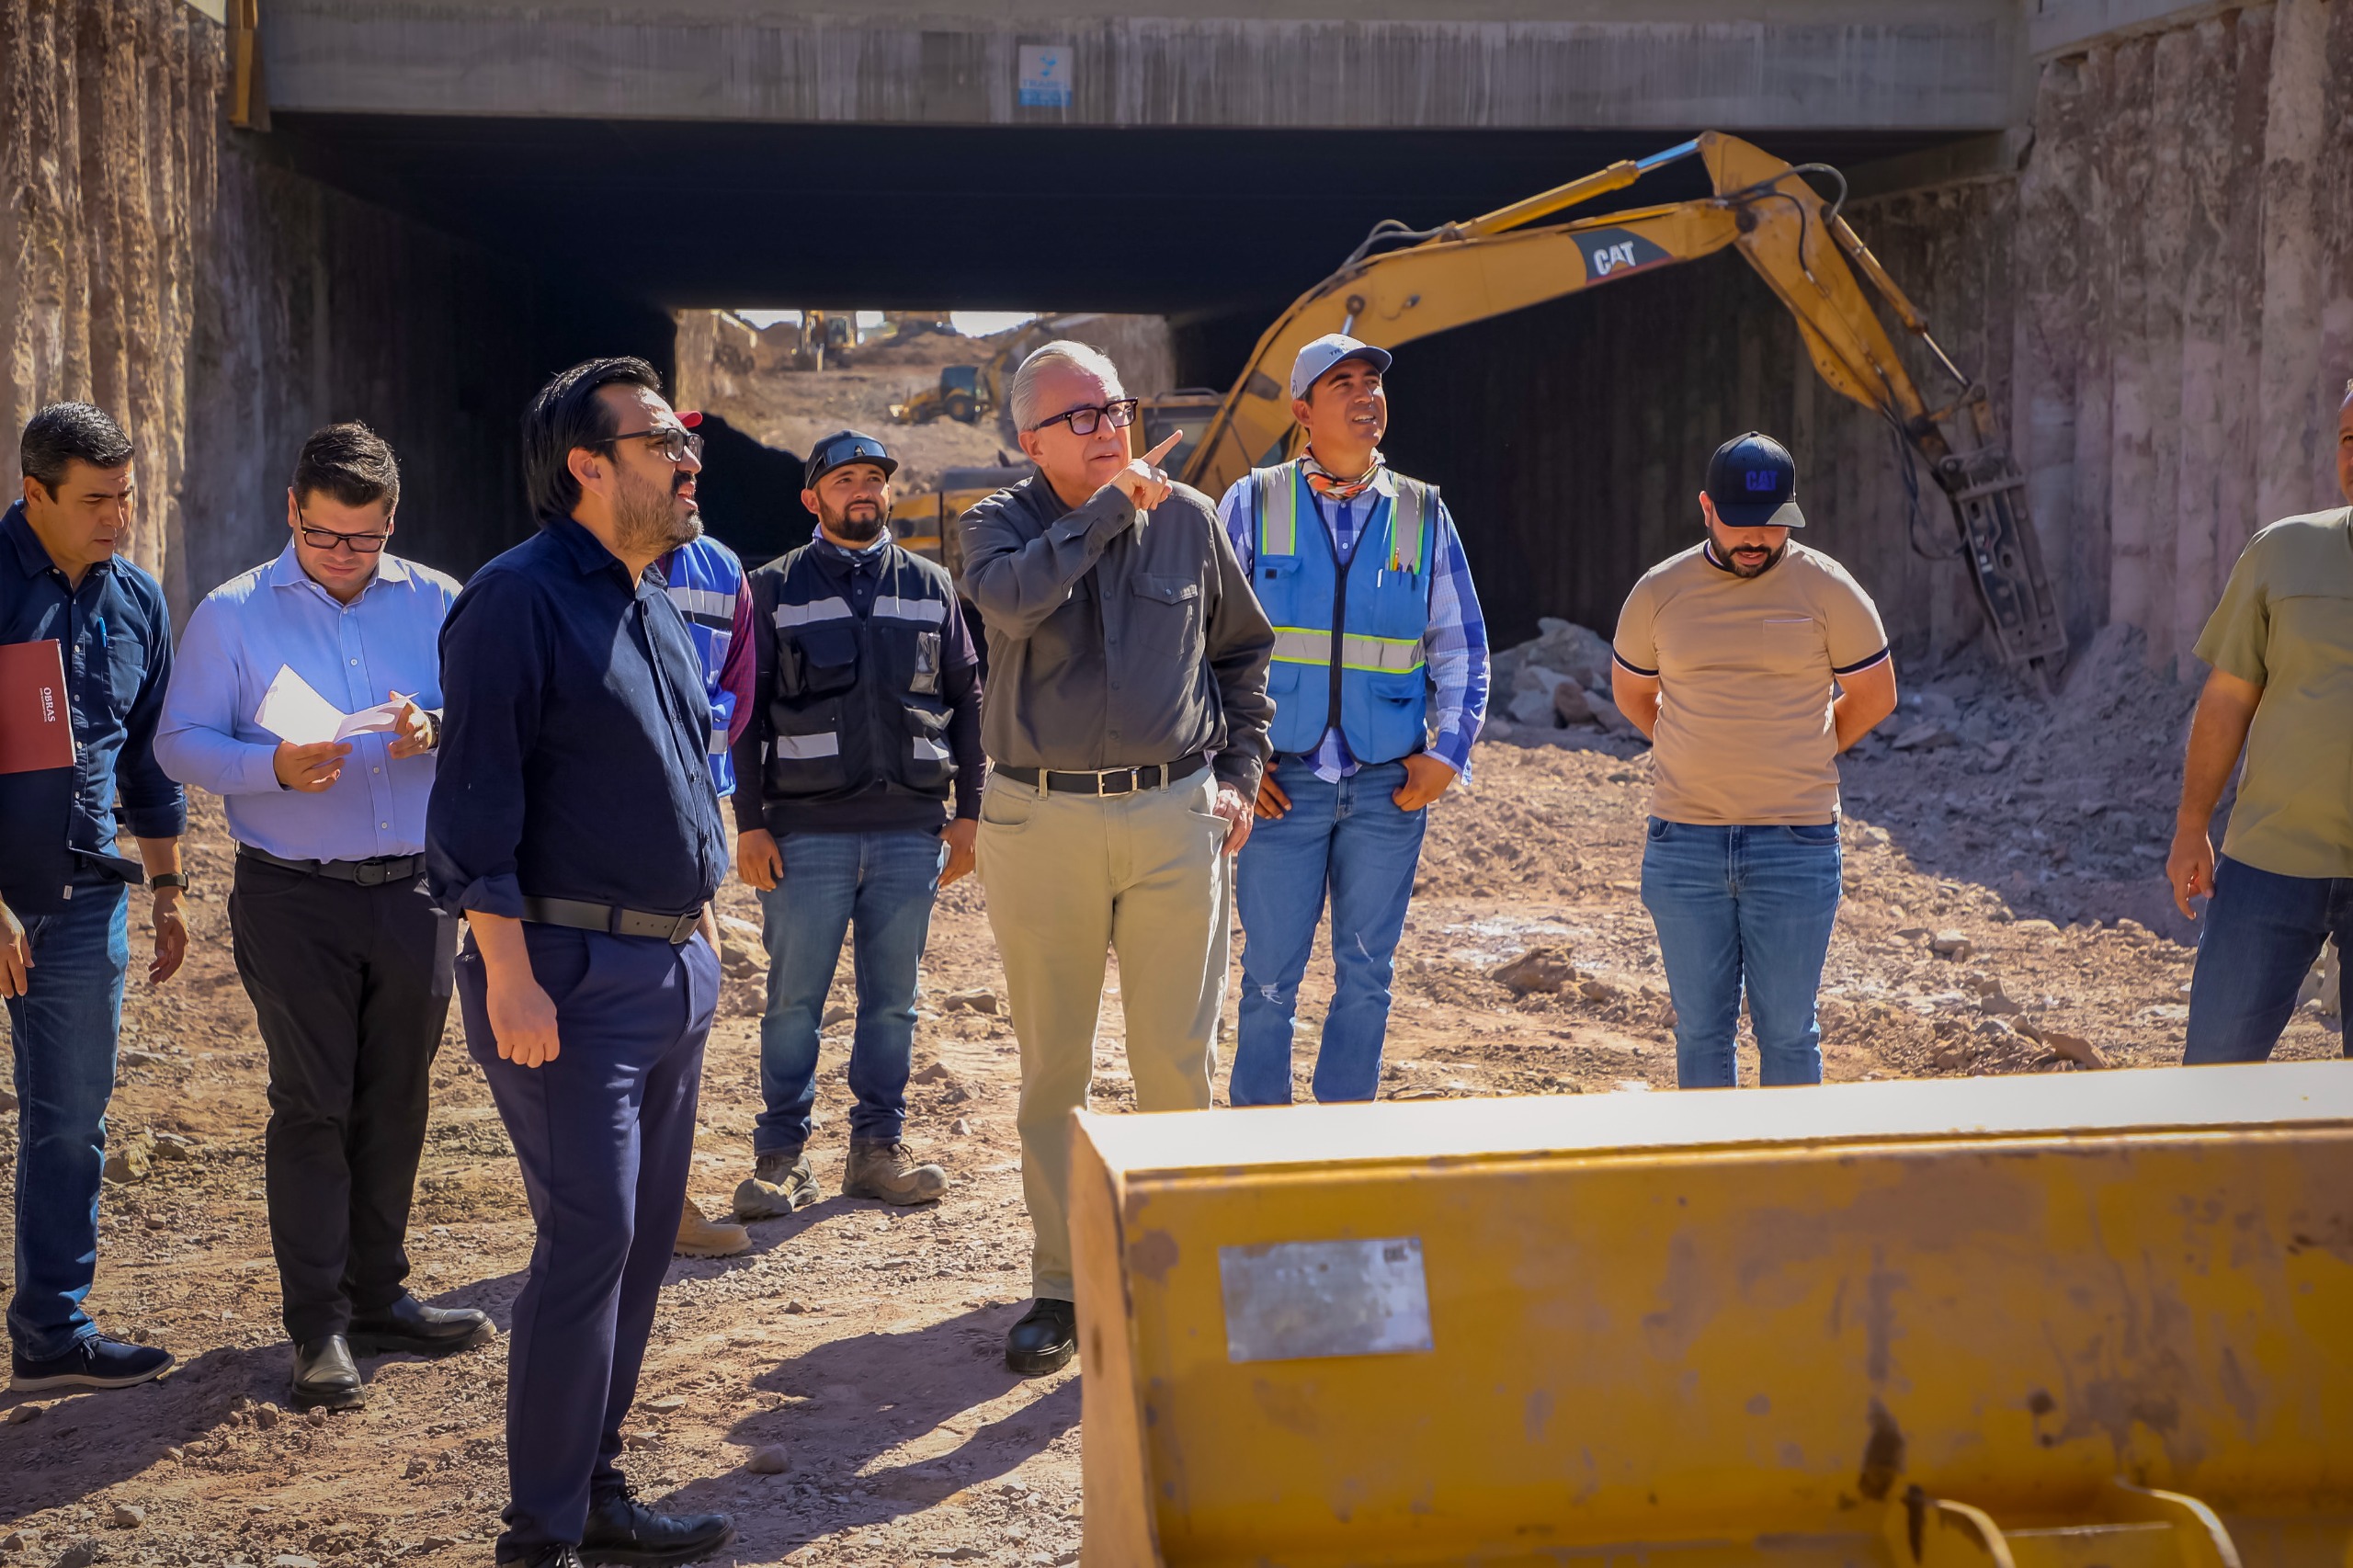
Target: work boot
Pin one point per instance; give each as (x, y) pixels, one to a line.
(701, 1236)
(1044, 1340)
(779, 1182)
(888, 1173)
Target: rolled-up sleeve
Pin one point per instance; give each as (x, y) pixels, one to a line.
(1018, 582)
(493, 664)
(1239, 642)
(196, 740)
(153, 806)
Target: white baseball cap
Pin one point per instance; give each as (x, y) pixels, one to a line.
(1327, 351)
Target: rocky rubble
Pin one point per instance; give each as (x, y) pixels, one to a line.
(1559, 681)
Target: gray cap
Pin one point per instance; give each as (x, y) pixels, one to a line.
(1327, 351)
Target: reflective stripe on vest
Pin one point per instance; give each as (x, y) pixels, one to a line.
(816, 611)
(719, 606)
(1277, 510)
(928, 612)
(825, 744)
(1385, 655)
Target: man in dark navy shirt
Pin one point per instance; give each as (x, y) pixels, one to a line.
(65, 926)
(575, 824)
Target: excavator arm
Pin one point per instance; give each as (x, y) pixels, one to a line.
(1807, 254)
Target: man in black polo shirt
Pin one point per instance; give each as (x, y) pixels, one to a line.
(867, 713)
(575, 826)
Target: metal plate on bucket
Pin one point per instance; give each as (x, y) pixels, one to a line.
(1291, 1300)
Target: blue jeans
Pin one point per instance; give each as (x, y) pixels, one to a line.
(1351, 839)
(63, 1029)
(883, 883)
(2263, 930)
(1743, 908)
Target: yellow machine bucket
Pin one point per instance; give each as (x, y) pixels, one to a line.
(2091, 1320)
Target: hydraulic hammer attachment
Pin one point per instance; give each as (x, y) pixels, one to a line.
(2089, 1321)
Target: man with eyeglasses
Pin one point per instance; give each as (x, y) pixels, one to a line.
(346, 958)
(575, 826)
(1126, 718)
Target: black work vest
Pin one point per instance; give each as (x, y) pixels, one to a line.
(855, 702)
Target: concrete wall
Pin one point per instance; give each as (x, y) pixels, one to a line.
(2161, 303)
(160, 264)
(108, 152)
(1404, 64)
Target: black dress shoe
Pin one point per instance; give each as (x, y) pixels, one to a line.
(408, 1325)
(324, 1375)
(1044, 1340)
(560, 1555)
(622, 1530)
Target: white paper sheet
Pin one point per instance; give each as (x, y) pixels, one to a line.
(293, 711)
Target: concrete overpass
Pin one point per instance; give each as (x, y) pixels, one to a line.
(1197, 161)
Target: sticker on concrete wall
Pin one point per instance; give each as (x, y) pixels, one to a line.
(1291, 1300)
(1045, 75)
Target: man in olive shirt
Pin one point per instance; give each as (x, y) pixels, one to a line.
(1126, 718)
(2282, 645)
(1751, 662)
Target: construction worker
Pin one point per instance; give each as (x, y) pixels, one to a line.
(1751, 662)
(867, 718)
(1124, 650)
(1380, 686)
(2281, 647)
(705, 579)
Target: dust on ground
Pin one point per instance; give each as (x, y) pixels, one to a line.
(865, 1342)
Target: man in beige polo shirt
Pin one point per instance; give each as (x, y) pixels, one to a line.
(1751, 662)
(2282, 645)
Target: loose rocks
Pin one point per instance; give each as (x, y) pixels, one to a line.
(1544, 970)
(769, 1460)
(128, 1516)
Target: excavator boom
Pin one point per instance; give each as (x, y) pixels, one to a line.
(1807, 255)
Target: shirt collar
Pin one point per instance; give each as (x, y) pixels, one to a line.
(865, 555)
(286, 572)
(31, 554)
(587, 552)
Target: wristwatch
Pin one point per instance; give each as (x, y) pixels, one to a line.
(169, 879)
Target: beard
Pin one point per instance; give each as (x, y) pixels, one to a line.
(646, 515)
(1748, 566)
(861, 523)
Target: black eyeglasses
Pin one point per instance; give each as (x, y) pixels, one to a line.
(670, 441)
(1086, 421)
(327, 539)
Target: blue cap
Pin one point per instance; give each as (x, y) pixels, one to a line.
(1753, 482)
(1327, 351)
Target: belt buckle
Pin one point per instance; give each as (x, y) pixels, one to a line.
(1129, 776)
(370, 873)
(684, 930)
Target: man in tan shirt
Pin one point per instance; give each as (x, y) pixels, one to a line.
(2282, 645)
(1751, 662)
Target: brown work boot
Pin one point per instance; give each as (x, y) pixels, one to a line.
(779, 1184)
(701, 1236)
(887, 1172)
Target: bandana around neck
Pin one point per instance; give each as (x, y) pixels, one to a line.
(1325, 482)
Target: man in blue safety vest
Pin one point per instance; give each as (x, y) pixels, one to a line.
(1380, 684)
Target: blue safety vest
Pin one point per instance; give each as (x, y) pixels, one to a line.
(1348, 639)
(704, 581)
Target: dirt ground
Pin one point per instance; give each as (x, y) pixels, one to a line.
(865, 1341)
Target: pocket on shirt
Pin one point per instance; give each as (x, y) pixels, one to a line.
(1165, 619)
(1792, 643)
(822, 660)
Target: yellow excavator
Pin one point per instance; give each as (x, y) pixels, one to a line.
(1402, 284)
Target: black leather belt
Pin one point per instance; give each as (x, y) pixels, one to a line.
(1111, 781)
(674, 929)
(367, 873)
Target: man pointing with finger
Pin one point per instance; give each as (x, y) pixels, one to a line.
(1126, 717)
(1380, 685)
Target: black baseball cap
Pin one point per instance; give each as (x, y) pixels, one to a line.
(1753, 483)
(845, 447)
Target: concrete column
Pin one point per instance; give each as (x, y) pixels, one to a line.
(2199, 89)
(2134, 503)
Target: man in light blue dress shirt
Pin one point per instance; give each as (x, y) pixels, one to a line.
(347, 960)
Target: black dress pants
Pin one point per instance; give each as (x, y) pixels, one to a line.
(350, 985)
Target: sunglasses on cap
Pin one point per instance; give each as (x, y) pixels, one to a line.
(841, 450)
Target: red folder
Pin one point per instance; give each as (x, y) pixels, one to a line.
(36, 723)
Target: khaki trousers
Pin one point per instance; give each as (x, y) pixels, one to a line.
(1068, 876)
